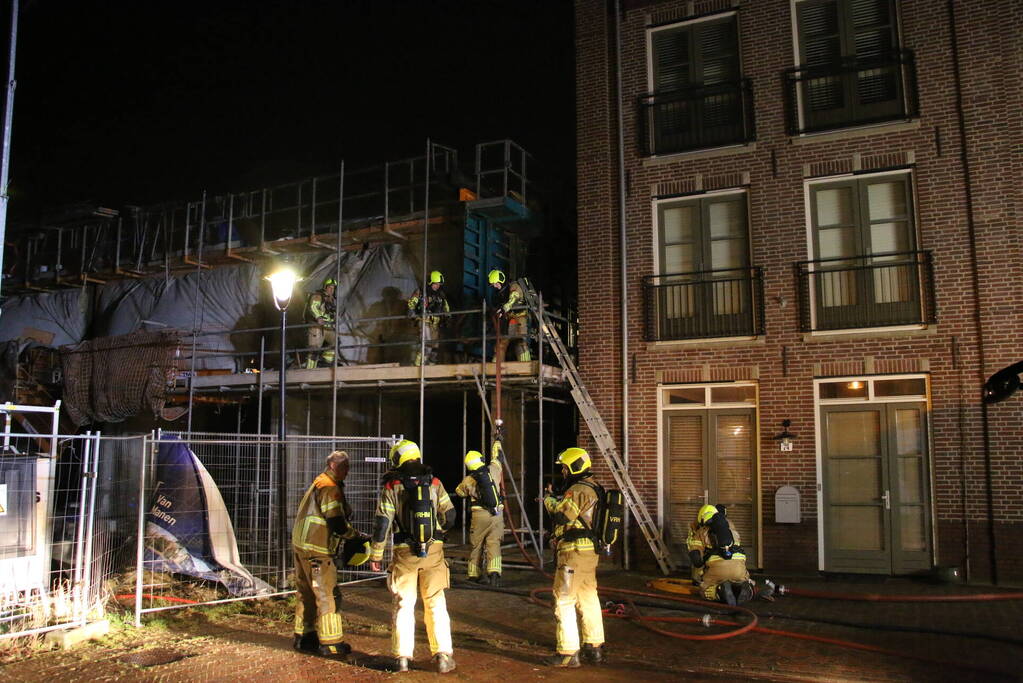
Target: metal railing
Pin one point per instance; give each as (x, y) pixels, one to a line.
(697, 117)
(874, 290)
(850, 92)
(704, 304)
(502, 169)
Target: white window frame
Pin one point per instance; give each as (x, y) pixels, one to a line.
(663, 407)
(870, 399)
(808, 185)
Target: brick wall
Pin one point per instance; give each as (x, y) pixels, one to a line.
(978, 259)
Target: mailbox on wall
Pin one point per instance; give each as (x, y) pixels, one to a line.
(786, 505)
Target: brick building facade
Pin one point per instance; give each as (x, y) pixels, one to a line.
(821, 213)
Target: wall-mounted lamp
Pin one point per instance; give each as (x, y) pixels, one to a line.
(855, 385)
(786, 438)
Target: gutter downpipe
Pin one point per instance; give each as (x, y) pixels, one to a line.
(622, 264)
(975, 281)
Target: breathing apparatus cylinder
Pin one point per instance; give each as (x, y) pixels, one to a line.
(421, 518)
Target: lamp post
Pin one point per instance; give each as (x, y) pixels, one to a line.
(282, 283)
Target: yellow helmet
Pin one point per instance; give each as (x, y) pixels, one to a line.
(436, 277)
(473, 460)
(577, 460)
(403, 451)
(705, 514)
(495, 277)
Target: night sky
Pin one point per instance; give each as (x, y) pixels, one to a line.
(137, 102)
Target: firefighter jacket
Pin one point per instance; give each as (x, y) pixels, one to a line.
(391, 508)
(322, 308)
(700, 540)
(323, 517)
(572, 516)
(509, 297)
(436, 302)
(469, 487)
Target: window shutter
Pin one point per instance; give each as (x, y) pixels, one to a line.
(872, 27)
(717, 51)
(819, 32)
(671, 59)
(685, 473)
(733, 444)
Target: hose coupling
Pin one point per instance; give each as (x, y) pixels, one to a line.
(706, 620)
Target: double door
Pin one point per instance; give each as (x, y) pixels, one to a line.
(875, 488)
(710, 458)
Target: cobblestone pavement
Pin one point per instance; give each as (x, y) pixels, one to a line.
(501, 637)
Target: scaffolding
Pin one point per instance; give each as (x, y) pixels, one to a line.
(397, 202)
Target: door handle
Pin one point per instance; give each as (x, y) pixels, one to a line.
(887, 498)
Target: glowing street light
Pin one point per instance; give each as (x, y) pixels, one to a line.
(282, 283)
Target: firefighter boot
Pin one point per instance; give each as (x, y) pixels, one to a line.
(494, 579)
(401, 664)
(592, 654)
(336, 651)
(562, 661)
(444, 662)
(306, 642)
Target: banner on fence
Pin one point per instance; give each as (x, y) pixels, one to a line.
(188, 530)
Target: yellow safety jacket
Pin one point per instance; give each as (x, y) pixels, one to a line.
(322, 308)
(322, 520)
(572, 515)
(469, 487)
(392, 505)
(513, 298)
(436, 301)
(699, 539)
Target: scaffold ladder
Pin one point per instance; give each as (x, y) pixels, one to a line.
(601, 435)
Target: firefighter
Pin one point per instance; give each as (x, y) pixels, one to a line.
(321, 524)
(575, 580)
(321, 309)
(436, 302)
(508, 296)
(417, 504)
(717, 558)
(483, 487)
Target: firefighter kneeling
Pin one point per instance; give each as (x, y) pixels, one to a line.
(718, 561)
(416, 502)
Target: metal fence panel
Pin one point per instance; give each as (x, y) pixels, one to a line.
(243, 525)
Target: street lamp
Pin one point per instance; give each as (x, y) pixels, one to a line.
(282, 284)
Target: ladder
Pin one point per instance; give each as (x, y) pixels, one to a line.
(598, 429)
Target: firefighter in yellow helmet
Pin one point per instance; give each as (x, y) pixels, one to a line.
(508, 298)
(575, 580)
(322, 523)
(427, 309)
(717, 558)
(321, 310)
(415, 502)
(483, 486)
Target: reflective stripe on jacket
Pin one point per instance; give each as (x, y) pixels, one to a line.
(392, 506)
(569, 512)
(322, 519)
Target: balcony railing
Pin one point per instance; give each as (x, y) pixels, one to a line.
(851, 92)
(697, 117)
(877, 290)
(706, 304)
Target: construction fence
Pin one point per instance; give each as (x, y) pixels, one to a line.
(158, 521)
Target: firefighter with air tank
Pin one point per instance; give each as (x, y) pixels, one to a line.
(416, 504)
(482, 486)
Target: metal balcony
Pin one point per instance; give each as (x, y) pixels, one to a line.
(706, 304)
(853, 91)
(696, 117)
(876, 290)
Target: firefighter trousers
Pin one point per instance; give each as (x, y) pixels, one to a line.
(575, 590)
(519, 347)
(317, 336)
(431, 334)
(407, 575)
(717, 572)
(318, 601)
(486, 534)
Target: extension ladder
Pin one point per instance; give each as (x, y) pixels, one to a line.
(599, 430)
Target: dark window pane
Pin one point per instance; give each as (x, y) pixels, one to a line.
(900, 387)
(851, 389)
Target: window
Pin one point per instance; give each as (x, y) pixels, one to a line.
(852, 70)
(706, 285)
(698, 99)
(866, 270)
